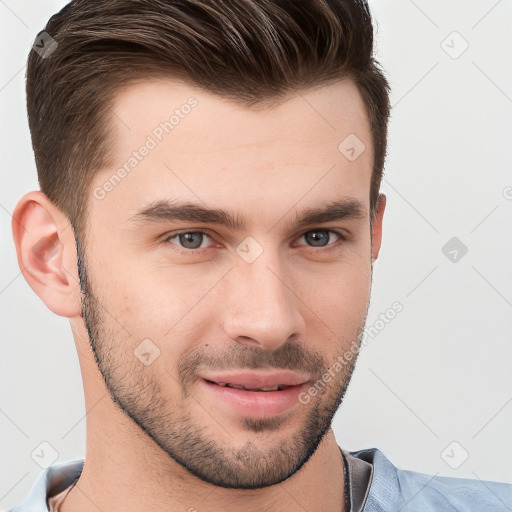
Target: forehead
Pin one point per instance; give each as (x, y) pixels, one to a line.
(329, 113)
(173, 139)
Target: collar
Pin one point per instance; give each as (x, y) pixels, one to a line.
(358, 476)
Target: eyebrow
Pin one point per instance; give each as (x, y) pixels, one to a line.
(167, 210)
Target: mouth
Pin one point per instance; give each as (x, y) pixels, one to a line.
(256, 380)
(254, 395)
(279, 387)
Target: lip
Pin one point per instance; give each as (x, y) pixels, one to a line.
(258, 380)
(256, 404)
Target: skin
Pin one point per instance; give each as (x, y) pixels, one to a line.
(156, 440)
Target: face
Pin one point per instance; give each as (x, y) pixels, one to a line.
(235, 249)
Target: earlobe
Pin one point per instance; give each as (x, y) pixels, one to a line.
(377, 226)
(45, 248)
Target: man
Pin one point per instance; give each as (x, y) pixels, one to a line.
(208, 220)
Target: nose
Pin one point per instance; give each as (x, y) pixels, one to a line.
(261, 307)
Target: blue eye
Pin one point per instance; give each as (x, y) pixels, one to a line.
(191, 242)
(321, 236)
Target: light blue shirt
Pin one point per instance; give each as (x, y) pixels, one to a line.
(372, 484)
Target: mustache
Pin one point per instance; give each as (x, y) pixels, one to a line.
(289, 356)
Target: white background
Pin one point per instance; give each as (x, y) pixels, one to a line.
(441, 371)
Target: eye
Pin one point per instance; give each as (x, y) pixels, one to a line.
(189, 240)
(192, 241)
(319, 238)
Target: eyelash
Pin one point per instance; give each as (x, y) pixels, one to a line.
(188, 252)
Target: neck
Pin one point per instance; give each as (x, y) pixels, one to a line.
(114, 478)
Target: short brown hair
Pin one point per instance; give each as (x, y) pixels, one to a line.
(249, 51)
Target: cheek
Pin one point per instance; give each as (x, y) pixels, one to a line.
(160, 305)
(163, 302)
(338, 290)
(336, 304)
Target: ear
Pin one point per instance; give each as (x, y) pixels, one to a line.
(376, 227)
(46, 251)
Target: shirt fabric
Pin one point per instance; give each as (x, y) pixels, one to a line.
(372, 484)
(54, 502)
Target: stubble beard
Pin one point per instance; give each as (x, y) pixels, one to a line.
(192, 445)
